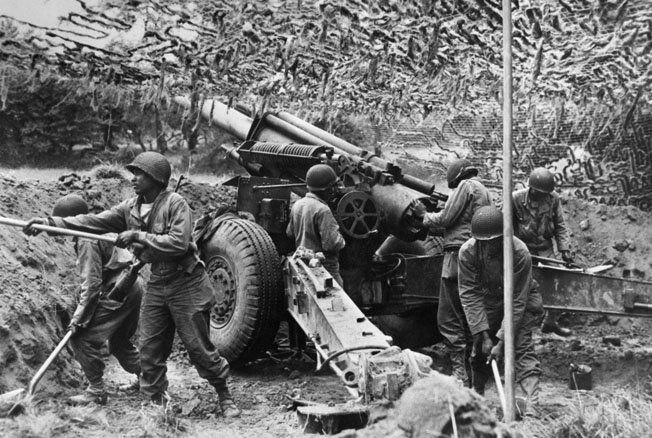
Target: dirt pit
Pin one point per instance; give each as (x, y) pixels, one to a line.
(38, 282)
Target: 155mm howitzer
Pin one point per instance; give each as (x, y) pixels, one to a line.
(391, 269)
(387, 272)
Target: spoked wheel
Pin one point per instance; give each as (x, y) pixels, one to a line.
(357, 214)
(245, 269)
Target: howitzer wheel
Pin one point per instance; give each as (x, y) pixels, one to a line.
(245, 269)
(357, 214)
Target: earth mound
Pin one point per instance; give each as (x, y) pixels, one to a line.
(38, 277)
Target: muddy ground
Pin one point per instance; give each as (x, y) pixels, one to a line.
(38, 282)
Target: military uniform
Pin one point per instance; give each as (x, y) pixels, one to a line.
(179, 293)
(481, 294)
(455, 218)
(313, 226)
(100, 319)
(537, 223)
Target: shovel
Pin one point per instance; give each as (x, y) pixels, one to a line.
(19, 397)
(593, 270)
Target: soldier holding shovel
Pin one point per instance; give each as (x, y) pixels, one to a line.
(179, 293)
(98, 317)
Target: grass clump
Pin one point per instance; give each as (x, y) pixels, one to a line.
(620, 414)
(109, 171)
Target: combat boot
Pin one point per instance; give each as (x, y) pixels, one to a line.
(132, 387)
(479, 381)
(92, 394)
(458, 361)
(530, 386)
(227, 405)
(550, 325)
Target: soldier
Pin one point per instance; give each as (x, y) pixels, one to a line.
(481, 293)
(469, 194)
(179, 293)
(538, 218)
(312, 224)
(97, 317)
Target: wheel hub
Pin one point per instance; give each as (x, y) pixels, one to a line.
(221, 273)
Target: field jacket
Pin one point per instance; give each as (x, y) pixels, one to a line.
(166, 235)
(456, 216)
(480, 280)
(99, 264)
(537, 222)
(313, 226)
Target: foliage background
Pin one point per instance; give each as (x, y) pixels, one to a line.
(368, 71)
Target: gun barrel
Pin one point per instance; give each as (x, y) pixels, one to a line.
(283, 127)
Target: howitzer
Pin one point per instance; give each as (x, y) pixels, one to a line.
(387, 272)
(390, 267)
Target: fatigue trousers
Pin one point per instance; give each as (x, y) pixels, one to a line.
(549, 316)
(527, 363)
(113, 321)
(451, 320)
(182, 303)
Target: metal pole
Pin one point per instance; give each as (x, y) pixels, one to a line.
(508, 232)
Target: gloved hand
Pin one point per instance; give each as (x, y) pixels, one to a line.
(31, 231)
(418, 213)
(497, 352)
(567, 256)
(126, 238)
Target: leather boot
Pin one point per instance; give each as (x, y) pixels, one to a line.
(92, 394)
(479, 381)
(550, 325)
(530, 386)
(228, 406)
(458, 360)
(132, 387)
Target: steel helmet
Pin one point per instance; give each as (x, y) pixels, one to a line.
(487, 223)
(542, 179)
(70, 205)
(458, 170)
(320, 177)
(153, 164)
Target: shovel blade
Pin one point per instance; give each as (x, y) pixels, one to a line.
(10, 402)
(12, 396)
(597, 269)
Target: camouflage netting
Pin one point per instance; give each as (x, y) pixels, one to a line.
(581, 71)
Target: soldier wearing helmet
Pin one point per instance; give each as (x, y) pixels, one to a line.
(468, 196)
(312, 224)
(538, 222)
(481, 294)
(98, 319)
(179, 293)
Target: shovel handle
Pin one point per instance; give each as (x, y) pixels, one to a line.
(57, 230)
(499, 385)
(47, 363)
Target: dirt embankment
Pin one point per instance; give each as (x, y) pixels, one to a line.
(38, 280)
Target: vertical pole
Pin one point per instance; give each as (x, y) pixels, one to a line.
(508, 232)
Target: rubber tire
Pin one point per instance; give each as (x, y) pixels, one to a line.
(247, 256)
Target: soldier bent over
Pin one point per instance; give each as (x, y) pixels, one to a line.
(481, 293)
(179, 294)
(538, 218)
(99, 318)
